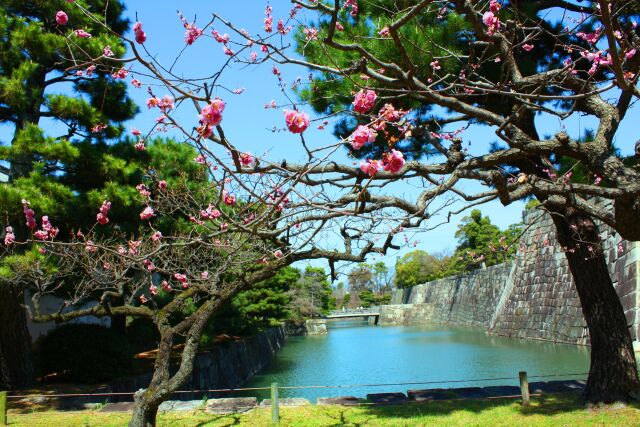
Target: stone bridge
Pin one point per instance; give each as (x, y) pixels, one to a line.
(372, 314)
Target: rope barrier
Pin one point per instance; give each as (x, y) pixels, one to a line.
(294, 387)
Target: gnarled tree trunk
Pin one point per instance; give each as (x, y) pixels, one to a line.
(16, 367)
(613, 375)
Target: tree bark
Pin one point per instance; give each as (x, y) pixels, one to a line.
(16, 367)
(613, 375)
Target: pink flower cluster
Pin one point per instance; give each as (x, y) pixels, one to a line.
(297, 122)
(370, 167)
(29, 214)
(597, 58)
(141, 36)
(156, 237)
(143, 190)
(82, 34)
(393, 161)
(490, 19)
(182, 279)
(192, 33)
(147, 213)
(310, 33)
(61, 18)
(364, 101)
(47, 230)
(165, 104)
(591, 38)
(101, 217)
(246, 159)
(9, 237)
(268, 20)
(353, 4)
(362, 135)
(211, 114)
(210, 213)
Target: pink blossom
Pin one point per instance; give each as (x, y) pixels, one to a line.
(310, 33)
(297, 122)
(166, 286)
(107, 51)
(29, 214)
(90, 246)
(384, 32)
(143, 190)
(435, 65)
(227, 51)
(83, 34)
(140, 145)
(153, 102)
(224, 38)
(393, 161)
(90, 69)
(133, 246)
(246, 159)
(361, 136)
(102, 218)
(182, 278)
(229, 200)
(150, 266)
(141, 36)
(166, 104)
(364, 101)
(200, 159)
(490, 19)
(192, 33)
(156, 237)
(268, 24)
(48, 228)
(98, 128)
(224, 226)
(212, 114)
(147, 213)
(153, 290)
(41, 235)
(120, 74)
(370, 167)
(122, 250)
(494, 6)
(278, 254)
(353, 4)
(136, 83)
(282, 29)
(630, 53)
(204, 275)
(9, 237)
(143, 299)
(527, 47)
(253, 56)
(135, 132)
(162, 184)
(61, 18)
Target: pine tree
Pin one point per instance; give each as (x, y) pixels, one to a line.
(57, 97)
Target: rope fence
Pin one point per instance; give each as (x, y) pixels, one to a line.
(297, 387)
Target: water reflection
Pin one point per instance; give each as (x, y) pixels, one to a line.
(355, 353)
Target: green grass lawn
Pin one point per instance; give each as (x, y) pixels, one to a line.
(551, 410)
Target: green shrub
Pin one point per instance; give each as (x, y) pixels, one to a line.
(85, 353)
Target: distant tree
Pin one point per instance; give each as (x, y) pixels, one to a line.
(381, 277)
(482, 243)
(418, 267)
(360, 278)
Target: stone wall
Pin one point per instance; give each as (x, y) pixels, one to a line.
(468, 299)
(531, 297)
(542, 302)
(227, 365)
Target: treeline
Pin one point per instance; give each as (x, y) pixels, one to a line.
(480, 244)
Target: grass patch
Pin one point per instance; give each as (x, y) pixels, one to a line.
(550, 410)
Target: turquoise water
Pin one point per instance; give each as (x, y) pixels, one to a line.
(355, 353)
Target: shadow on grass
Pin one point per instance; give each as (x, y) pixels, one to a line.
(545, 405)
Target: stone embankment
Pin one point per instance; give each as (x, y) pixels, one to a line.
(227, 365)
(531, 297)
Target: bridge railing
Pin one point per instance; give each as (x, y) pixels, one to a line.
(363, 311)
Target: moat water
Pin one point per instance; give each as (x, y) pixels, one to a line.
(356, 353)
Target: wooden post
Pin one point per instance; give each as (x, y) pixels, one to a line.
(524, 388)
(275, 405)
(3, 408)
